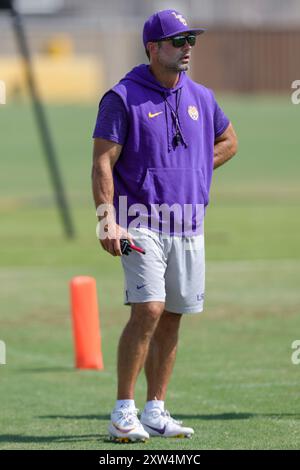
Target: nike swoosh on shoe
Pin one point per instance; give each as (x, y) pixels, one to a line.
(123, 430)
(160, 431)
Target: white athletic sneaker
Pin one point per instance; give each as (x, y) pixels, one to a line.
(159, 423)
(125, 426)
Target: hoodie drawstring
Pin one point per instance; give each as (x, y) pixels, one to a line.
(179, 130)
(167, 124)
(179, 134)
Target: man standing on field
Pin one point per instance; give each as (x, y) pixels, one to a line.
(157, 139)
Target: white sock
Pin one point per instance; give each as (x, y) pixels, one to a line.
(127, 403)
(155, 404)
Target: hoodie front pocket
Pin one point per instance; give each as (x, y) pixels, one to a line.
(175, 186)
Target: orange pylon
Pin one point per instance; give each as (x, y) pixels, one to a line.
(86, 324)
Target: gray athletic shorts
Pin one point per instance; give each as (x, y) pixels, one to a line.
(171, 271)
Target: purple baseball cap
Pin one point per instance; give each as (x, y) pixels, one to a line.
(164, 24)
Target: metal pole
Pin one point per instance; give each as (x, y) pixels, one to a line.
(43, 127)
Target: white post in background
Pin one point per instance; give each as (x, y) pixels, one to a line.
(2, 353)
(2, 92)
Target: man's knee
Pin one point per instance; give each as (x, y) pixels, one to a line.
(171, 317)
(169, 323)
(147, 314)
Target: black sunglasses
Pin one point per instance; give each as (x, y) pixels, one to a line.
(180, 41)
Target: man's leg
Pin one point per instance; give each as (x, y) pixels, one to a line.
(158, 367)
(161, 355)
(134, 344)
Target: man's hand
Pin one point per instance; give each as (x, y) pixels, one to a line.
(112, 242)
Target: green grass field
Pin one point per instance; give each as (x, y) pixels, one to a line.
(234, 381)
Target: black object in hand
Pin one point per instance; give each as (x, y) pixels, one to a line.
(125, 246)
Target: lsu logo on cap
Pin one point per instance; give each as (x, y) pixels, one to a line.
(193, 112)
(180, 18)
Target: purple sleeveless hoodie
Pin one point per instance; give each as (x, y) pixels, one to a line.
(152, 169)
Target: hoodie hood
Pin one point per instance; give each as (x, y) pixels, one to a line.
(143, 76)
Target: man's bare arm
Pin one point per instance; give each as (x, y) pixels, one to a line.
(105, 155)
(226, 146)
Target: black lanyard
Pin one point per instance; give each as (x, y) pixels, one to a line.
(174, 114)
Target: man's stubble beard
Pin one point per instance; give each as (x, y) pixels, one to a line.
(176, 67)
(184, 67)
